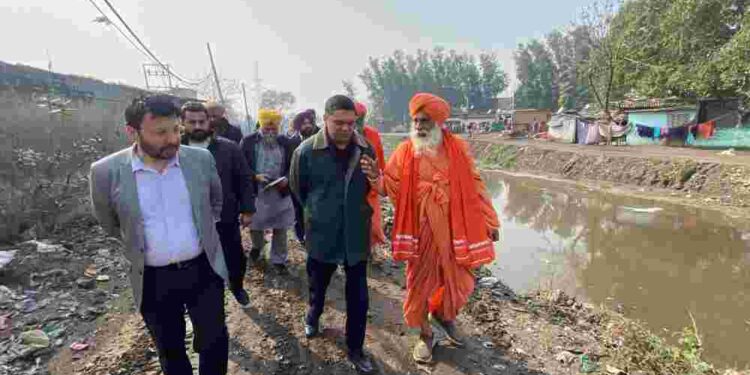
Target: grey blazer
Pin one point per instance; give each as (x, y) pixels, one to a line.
(114, 196)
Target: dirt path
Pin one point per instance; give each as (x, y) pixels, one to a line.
(504, 336)
(645, 151)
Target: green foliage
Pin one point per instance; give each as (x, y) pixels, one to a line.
(536, 74)
(684, 48)
(462, 79)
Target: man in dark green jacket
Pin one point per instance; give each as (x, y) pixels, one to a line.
(331, 174)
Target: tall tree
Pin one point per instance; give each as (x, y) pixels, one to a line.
(535, 72)
(349, 88)
(603, 71)
(460, 78)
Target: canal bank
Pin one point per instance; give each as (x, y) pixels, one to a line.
(698, 178)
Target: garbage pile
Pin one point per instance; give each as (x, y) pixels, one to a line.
(51, 293)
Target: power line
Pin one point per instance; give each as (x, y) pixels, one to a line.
(119, 29)
(135, 36)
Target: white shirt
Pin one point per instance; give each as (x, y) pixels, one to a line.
(203, 144)
(171, 235)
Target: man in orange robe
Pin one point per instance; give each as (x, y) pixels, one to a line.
(377, 236)
(444, 224)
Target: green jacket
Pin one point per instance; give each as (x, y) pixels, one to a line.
(336, 213)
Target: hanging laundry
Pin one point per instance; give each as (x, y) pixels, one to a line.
(657, 133)
(690, 138)
(644, 131)
(677, 133)
(707, 129)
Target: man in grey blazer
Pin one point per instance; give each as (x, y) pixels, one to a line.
(163, 201)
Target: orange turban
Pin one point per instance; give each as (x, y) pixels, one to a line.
(434, 106)
(360, 109)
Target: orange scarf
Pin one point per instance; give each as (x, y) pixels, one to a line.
(472, 245)
(377, 236)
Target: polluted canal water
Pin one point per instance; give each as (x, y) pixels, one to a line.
(654, 262)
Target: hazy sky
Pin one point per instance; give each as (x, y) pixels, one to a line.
(307, 47)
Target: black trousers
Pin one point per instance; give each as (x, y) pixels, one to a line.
(299, 225)
(167, 292)
(357, 298)
(234, 255)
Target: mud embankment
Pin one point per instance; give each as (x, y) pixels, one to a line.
(689, 180)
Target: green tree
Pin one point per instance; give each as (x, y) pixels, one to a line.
(535, 72)
(462, 79)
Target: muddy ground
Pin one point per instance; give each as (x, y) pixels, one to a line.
(703, 178)
(506, 334)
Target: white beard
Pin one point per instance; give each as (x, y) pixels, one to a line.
(429, 144)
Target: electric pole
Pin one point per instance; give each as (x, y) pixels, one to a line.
(216, 76)
(247, 112)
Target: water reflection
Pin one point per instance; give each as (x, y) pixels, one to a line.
(620, 251)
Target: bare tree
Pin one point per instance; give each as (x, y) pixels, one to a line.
(599, 22)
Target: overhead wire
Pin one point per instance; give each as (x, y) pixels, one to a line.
(147, 50)
(109, 22)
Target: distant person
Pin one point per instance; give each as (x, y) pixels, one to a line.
(222, 127)
(164, 201)
(377, 235)
(303, 127)
(444, 222)
(238, 195)
(534, 128)
(332, 174)
(268, 155)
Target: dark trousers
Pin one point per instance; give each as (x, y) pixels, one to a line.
(234, 255)
(357, 298)
(167, 292)
(299, 225)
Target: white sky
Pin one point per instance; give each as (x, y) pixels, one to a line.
(307, 47)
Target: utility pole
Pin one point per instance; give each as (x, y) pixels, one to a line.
(216, 76)
(257, 87)
(247, 112)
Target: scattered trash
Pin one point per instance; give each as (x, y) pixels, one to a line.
(499, 367)
(729, 152)
(102, 278)
(588, 365)
(6, 257)
(615, 371)
(54, 331)
(35, 339)
(79, 347)
(488, 345)
(28, 305)
(487, 282)
(6, 326)
(565, 357)
(42, 247)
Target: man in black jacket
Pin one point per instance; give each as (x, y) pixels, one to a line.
(268, 155)
(238, 193)
(303, 127)
(222, 127)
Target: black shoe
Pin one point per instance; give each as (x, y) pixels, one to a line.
(311, 330)
(254, 254)
(281, 269)
(361, 362)
(242, 298)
